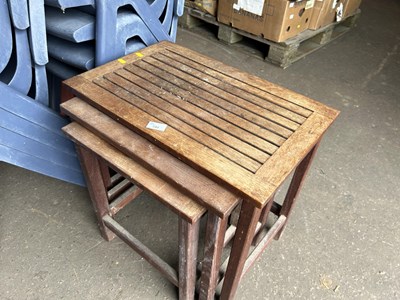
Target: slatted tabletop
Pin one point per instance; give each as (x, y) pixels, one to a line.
(240, 130)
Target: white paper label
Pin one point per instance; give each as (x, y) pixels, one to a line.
(252, 6)
(157, 126)
(339, 12)
(291, 4)
(310, 4)
(291, 16)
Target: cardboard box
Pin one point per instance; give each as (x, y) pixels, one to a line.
(350, 7)
(275, 20)
(208, 6)
(324, 13)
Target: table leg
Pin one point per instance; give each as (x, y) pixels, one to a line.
(105, 173)
(295, 187)
(263, 220)
(188, 242)
(98, 194)
(214, 244)
(66, 94)
(246, 228)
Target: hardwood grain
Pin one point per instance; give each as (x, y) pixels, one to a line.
(168, 167)
(178, 202)
(241, 131)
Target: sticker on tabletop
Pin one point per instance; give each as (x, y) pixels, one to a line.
(157, 126)
(139, 54)
(122, 61)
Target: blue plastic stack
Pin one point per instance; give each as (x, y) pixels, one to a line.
(30, 132)
(80, 35)
(83, 34)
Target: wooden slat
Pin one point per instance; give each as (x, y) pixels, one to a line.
(168, 116)
(225, 82)
(124, 199)
(171, 169)
(233, 75)
(233, 113)
(186, 89)
(263, 85)
(191, 120)
(215, 105)
(179, 203)
(202, 63)
(118, 189)
(170, 273)
(192, 152)
(221, 93)
(158, 84)
(290, 154)
(227, 132)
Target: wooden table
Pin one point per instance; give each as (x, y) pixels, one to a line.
(242, 132)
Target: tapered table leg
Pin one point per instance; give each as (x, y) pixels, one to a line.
(214, 244)
(91, 168)
(188, 242)
(246, 228)
(295, 187)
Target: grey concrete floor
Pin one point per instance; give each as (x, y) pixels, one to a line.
(341, 243)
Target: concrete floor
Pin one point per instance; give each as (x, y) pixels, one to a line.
(341, 243)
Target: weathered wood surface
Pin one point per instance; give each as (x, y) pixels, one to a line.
(238, 129)
(170, 273)
(170, 196)
(188, 246)
(91, 169)
(244, 235)
(213, 247)
(93, 150)
(174, 171)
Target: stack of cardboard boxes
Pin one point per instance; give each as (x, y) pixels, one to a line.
(278, 20)
(208, 6)
(350, 7)
(275, 20)
(326, 12)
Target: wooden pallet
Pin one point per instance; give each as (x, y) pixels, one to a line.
(282, 54)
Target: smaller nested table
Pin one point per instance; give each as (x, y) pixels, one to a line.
(242, 132)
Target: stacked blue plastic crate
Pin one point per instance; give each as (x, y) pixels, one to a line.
(80, 35)
(30, 132)
(83, 34)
